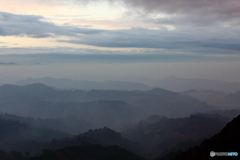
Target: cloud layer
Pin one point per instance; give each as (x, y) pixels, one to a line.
(35, 27)
(199, 27)
(185, 12)
(192, 39)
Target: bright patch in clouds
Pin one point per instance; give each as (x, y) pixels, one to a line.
(64, 12)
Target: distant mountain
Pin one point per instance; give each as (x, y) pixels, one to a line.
(39, 100)
(158, 133)
(177, 84)
(96, 113)
(227, 140)
(209, 96)
(232, 113)
(232, 100)
(34, 93)
(65, 83)
(220, 99)
(89, 114)
(155, 101)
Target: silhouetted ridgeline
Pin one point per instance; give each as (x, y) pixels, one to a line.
(65, 83)
(159, 134)
(228, 140)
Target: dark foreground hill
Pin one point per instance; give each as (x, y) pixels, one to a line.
(13, 132)
(159, 134)
(103, 136)
(153, 135)
(84, 152)
(228, 140)
(88, 152)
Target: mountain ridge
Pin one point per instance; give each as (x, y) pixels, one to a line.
(178, 84)
(65, 83)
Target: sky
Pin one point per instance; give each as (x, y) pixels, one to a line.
(149, 38)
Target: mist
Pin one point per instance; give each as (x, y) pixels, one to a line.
(135, 71)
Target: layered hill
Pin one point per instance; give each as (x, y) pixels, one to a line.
(209, 96)
(220, 99)
(39, 100)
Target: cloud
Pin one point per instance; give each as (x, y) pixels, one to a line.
(183, 12)
(223, 7)
(191, 40)
(132, 38)
(35, 27)
(178, 12)
(68, 55)
(54, 58)
(229, 7)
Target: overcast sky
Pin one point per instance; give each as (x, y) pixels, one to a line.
(120, 33)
